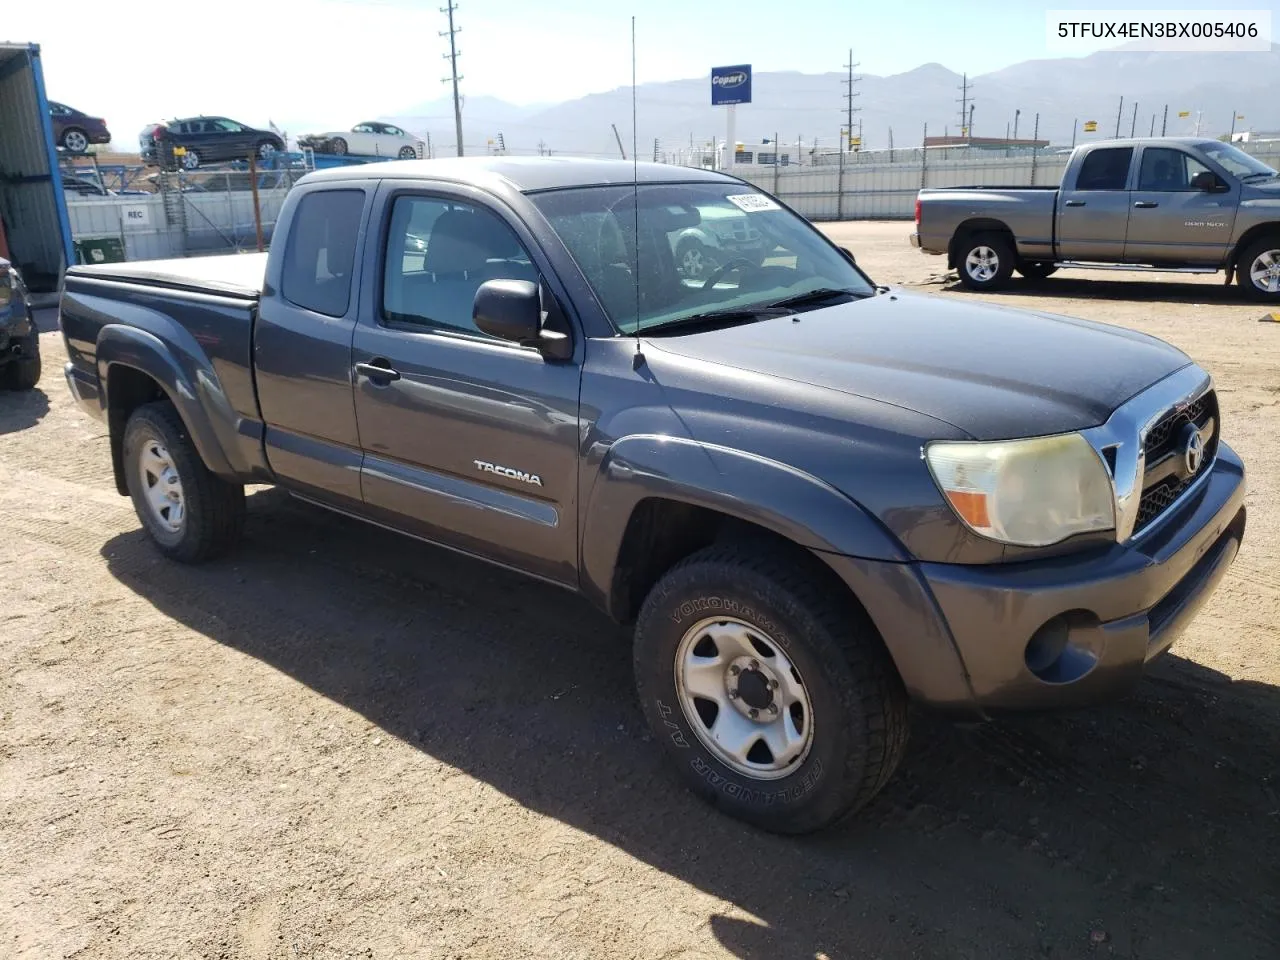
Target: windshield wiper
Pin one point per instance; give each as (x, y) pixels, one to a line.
(821, 295)
(727, 317)
(1259, 173)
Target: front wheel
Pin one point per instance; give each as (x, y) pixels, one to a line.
(1258, 270)
(778, 703)
(339, 147)
(190, 160)
(985, 261)
(191, 514)
(267, 151)
(408, 153)
(23, 373)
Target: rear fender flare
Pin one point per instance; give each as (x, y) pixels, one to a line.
(185, 377)
(805, 510)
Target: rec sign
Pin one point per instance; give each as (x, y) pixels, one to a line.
(730, 85)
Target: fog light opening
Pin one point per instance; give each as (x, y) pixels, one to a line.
(1062, 651)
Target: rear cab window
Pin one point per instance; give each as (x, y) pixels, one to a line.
(320, 251)
(1105, 169)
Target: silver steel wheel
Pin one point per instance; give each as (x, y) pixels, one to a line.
(1265, 271)
(190, 160)
(161, 486)
(266, 151)
(75, 141)
(982, 264)
(744, 698)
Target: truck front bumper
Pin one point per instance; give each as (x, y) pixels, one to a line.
(1063, 632)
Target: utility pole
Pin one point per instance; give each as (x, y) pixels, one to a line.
(542, 146)
(452, 57)
(970, 128)
(1164, 124)
(1153, 126)
(1075, 122)
(618, 137)
(655, 149)
(850, 109)
(966, 109)
(1133, 126)
(430, 155)
(1016, 115)
(1233, 125)
(1119, 114)
(891, 144)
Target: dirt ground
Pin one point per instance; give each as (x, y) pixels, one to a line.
(341, 743)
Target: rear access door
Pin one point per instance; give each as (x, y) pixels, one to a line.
(1093, 206)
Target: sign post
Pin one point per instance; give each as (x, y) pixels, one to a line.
(730, 86)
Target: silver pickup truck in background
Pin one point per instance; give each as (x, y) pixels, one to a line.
(1163, 204)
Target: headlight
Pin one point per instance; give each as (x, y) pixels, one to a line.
(1026, 492)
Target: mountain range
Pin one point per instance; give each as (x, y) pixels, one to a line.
(1065, 92)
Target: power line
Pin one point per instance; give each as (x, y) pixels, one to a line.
(452, 57)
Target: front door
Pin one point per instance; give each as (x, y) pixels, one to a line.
(468, 440)
(1093, 212)
(1179, 215)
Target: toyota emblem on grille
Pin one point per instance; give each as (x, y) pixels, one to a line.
(1192, 450)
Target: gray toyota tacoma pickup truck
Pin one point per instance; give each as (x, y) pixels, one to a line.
(1164, 204)
(817, 499)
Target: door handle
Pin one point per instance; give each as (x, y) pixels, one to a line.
(1073, 203)
(1146, 204)
(378, 370)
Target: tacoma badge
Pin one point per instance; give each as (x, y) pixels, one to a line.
(530, 478)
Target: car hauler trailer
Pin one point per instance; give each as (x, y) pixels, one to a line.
(35, 232)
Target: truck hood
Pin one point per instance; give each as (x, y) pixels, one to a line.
(992, 372)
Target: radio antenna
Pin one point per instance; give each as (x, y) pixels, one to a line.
(635, 189)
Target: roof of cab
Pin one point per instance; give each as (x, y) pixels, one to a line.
(525, 174)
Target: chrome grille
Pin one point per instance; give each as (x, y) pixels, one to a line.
(1161, 486)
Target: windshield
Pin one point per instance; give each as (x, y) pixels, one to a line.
(703, 248)
(1236, 161)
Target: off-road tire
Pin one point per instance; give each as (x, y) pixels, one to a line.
(214, 507)
(859, 706)
(1244, 263)
(1000, 245)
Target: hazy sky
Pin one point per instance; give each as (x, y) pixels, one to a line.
(307, 63)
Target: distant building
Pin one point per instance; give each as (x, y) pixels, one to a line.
(984, 143)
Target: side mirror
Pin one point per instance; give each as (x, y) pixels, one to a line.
(512, 310)
(1208, 182)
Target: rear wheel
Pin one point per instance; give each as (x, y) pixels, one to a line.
(191, 514)
(1036, 270)
(267, 150)
(190, 159)
(339, 147)
(1258, 269)
(985, 261)
(408, 153)
(777, 703)
(74, 140)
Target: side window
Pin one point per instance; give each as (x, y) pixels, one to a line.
(1106, 169)
(1168, 170)
(321, 251)
(438, 253)
(362, 128)
(395, 131)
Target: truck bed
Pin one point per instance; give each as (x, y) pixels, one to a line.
(234, 275)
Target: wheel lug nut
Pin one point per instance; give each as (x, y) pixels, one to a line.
(733, 694)
(773, 708)
(755, 664)
(773, 684)
(754, 713)
(735, 670)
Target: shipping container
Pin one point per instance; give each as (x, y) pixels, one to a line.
(34, 227)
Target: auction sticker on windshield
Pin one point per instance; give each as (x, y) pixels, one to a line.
(752, 202)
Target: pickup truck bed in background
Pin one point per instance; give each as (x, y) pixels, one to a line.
(1167, 204)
